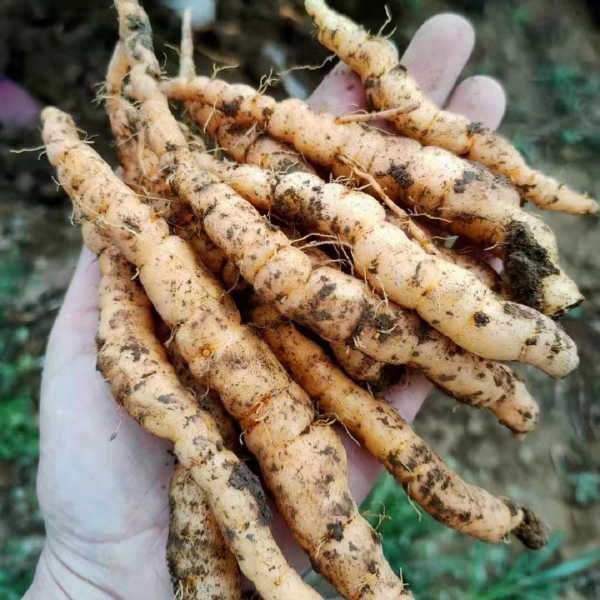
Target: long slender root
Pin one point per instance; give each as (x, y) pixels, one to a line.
(227, 356)
(196, 376)
(402, 338)
(466, 196)
(359, 366)
(388, 85)
(394, 335)
(334, 305)
(390, 439)
(199, 561)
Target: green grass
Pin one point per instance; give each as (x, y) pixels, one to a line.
(574, 93)
(19, 374)
(16, 581)
(19, 431)
(440, 564)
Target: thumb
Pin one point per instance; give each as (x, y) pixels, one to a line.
(74, 329)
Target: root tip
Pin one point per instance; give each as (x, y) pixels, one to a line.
(532, 531)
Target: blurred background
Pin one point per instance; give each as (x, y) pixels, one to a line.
(547, 55)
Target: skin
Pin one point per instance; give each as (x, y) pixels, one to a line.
(98, 540)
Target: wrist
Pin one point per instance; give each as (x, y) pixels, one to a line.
(55, 580)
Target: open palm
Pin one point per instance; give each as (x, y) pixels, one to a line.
(103, 481)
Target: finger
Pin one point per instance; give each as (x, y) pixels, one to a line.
(481, 99)
(438, 53)
(340, 93)
(75, 326)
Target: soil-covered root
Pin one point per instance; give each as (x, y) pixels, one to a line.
(383, 432)
(464, 196)
(400, 338)
(389, 85)
(254, 147)
(341, 309)
(359, 366)
(194, 532)
(229, 135)
(200, 564)
(97, 239)
(199, 561)
(139, 164)
(206, 398)
(206, 327)
(480, 321)
(245, 145)
(469, 259)
(509, 401)
(248, 144)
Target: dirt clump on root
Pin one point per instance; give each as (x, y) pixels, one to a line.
(526, 264)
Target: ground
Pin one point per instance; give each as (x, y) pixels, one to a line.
(547, 55)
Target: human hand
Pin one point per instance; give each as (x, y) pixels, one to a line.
(104, 497)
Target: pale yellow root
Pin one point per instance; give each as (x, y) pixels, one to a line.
(275, 415)
(406, 340)
(200, 564)
(218, 349)
(140, 166)
(249, 241)
(383, 432)
(429, 180)
(249, 145)
(464, 196)
(359, 366)
(403, 219)
(469, 261)
(228, 135)
(334, 305)
(467, 378)
(186, 55)
(388, 85)
(142, 163)
(207, 399)
(478, 321)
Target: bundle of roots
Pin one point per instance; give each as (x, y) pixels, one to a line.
(220, 323)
